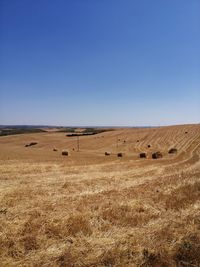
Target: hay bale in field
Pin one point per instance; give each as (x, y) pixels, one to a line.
(143, 155)
(65, 153)
(172, 151)
(138, 140)
(55, 149)
(186, 132)
(149, 146)
(157, 155)
(120, 155)
(107, 153)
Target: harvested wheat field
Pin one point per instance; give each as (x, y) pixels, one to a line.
(88, 209)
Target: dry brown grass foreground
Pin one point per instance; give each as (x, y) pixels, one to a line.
(89, 209)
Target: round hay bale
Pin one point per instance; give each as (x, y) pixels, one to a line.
(157, 155)
(172, 151)
(143, 155)
(120, 155)
(186, 132)
(138, 140)
(149, 146)
(55, 149)
(65, 153)
(107, 153)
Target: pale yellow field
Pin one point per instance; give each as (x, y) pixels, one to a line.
(89, 209)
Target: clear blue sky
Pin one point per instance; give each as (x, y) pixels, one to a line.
(99, 62)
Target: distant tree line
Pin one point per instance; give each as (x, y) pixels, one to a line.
(89, 131)
(11, 131)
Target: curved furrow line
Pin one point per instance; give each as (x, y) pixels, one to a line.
(190, 140)
(191, 158)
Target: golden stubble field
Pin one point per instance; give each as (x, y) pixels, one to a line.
(89, 209)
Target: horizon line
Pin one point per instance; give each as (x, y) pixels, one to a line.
(97, 126)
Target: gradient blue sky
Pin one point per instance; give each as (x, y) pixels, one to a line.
(99, 62)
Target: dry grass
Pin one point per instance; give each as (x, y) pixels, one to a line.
(91, 210)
